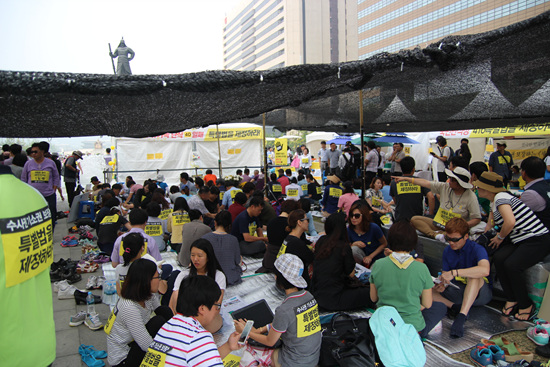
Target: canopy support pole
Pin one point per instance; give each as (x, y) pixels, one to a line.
(219, 151)
(362, 150)
(265, 151)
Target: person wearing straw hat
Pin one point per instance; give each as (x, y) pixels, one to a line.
(522, 241)
(456, 201)
(296, 320)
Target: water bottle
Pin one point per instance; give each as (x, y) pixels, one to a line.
(90, 303)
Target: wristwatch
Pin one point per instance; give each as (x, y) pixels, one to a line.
(500, 238)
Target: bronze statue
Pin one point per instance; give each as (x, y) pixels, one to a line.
(123, 62)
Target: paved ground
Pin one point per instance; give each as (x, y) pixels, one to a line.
(69, 338)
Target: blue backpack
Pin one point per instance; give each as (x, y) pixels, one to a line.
(398, 344)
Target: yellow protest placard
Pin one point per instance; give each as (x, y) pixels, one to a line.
(404, 187)
(110, 219)
(40, 176)
(307, 317)
(28, 245)
(443, 216)
(335, 192)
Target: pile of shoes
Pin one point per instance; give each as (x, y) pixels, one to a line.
(91, 356)
(502, 352)
(69, 241)
(64, 270)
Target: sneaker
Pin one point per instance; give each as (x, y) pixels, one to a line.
(99, 282)
(440, 237)
(59, 284)
(66, 291)
(91, 283)
(93, 322)
(543, 324)
(538, 335)
(77, 319)
(481, 356)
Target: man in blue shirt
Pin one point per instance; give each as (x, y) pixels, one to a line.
(464, 279)
(247, 227)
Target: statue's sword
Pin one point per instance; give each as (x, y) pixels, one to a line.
(112, 62)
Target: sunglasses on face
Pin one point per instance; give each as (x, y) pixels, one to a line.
(356, 215)
(451, 239)
(34, 151)
(303, 219)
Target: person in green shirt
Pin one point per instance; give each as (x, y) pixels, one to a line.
(399, 281)
(26, 253)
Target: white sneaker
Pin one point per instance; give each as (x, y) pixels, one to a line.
(99, 282)
(440, 237)
(62, 283)
(66, 291)
(92, 281)
(77, 319)
(93, 322)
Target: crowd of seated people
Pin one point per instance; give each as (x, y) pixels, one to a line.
(211, 223)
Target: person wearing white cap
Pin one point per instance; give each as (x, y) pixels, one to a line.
(296, 320)
(456, 200)
(160, 183)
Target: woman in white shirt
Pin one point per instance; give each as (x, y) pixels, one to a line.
(133, 329)
(203, 262)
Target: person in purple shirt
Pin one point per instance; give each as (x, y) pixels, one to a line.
(138, 220)
(246, 177)
(42, 174)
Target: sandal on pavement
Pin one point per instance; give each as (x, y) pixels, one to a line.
(98, 354)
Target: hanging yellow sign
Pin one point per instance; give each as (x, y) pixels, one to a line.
(281, 147)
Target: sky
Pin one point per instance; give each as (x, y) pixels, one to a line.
(168, 36)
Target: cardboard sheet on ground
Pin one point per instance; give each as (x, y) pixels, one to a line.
(483, 322)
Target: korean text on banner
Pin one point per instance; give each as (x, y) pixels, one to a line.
(280, 152)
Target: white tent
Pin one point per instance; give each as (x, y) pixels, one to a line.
(313, 140)
(193, 151)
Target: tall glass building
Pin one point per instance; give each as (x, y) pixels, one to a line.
(392, 25)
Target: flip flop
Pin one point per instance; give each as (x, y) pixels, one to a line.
(98, 354)
(512, 353)
(531, 314)
(513, 310)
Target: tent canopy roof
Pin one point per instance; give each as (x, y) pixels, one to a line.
(497, 78)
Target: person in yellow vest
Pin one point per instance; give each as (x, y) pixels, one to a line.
(42, 174)
(456, 201)
(26, 253)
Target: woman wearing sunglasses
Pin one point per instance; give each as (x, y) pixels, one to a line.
(297, 225)
(334, 284)
(133, 328)
(522, 241)
(366, 238)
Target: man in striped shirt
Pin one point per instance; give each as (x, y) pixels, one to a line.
(183, 341)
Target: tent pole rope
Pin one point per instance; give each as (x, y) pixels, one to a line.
(219, 151)
(265, 151)
(362, 150)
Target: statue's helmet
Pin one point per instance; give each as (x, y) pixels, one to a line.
(122, 44)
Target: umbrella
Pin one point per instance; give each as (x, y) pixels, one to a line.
(370, 136)
(396, 138)
(339, 140)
